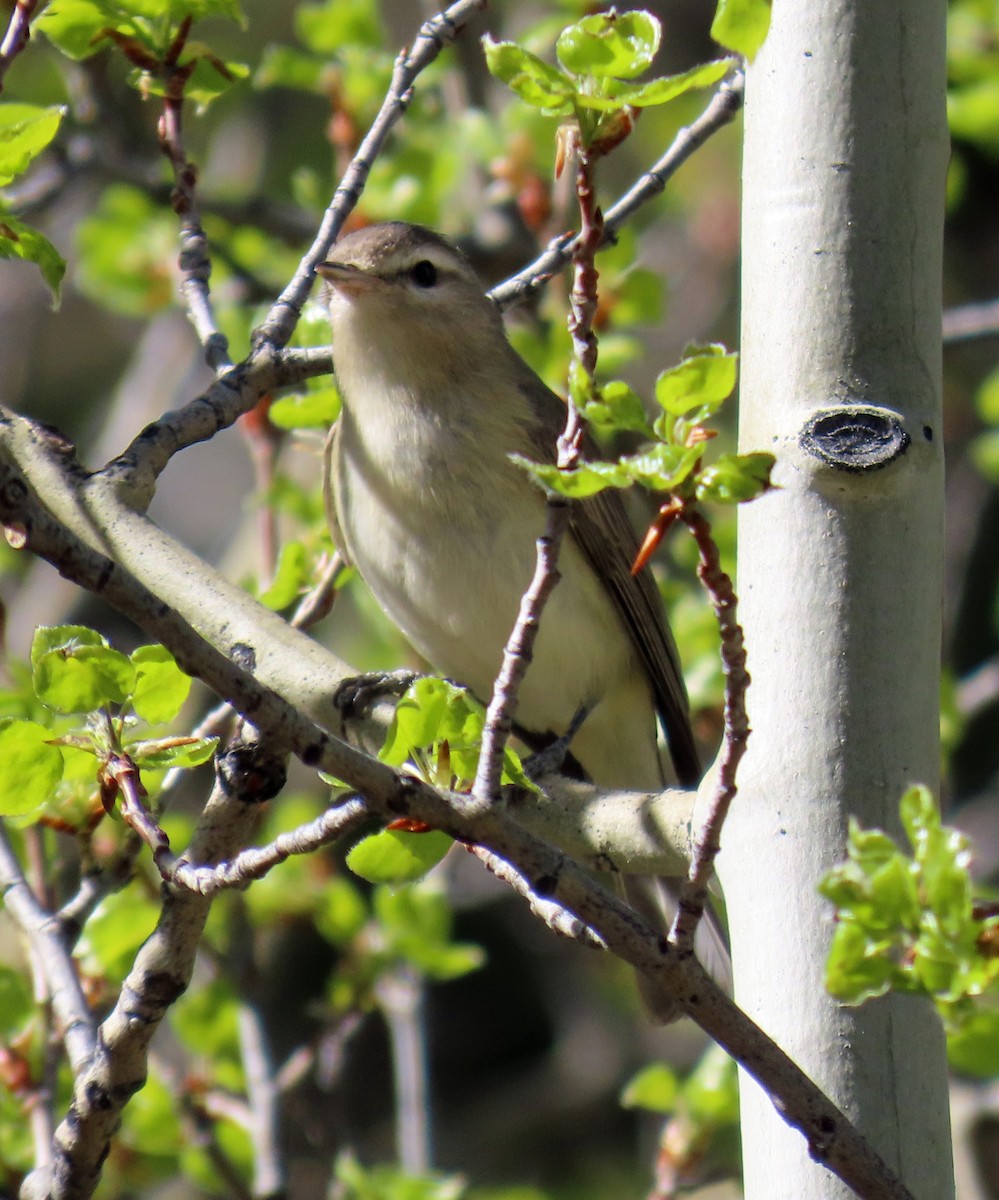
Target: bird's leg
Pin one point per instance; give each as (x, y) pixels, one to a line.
(555, 756)
(359, 693)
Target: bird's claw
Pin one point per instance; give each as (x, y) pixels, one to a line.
(361, 692)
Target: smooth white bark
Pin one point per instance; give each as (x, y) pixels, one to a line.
(839, 569)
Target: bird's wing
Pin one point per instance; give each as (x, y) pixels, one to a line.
(604, 533)
(329, 504)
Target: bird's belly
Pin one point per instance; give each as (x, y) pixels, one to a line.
(452, 579)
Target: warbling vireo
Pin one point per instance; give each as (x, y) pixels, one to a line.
(425, 501)
(442, 525)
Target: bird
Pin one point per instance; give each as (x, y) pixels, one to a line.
(425, 499)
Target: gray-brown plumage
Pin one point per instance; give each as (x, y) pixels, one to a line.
(442, 525)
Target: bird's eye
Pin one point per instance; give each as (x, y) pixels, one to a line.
(424, 274)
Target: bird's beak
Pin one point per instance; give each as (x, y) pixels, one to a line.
(347, 278)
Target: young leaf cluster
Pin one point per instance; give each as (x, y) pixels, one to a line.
(437, 732)
(909, 923)
(76, 674)
(688, 395)
(596, 81)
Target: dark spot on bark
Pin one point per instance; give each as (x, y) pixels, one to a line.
(855, 437)
(312, 755)
(244, 656)
(545, 885)
(249, 773)
(97, 1097)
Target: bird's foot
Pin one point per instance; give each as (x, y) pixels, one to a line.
(556, 757)
(361, 692)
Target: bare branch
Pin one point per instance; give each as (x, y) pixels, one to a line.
(16, 36)
(159, 975)
(195, 264)
(971, 321)
(401, 995)
(270, 1176)
(434, 35)
(44, 934)
(721, 111)
(694, 895)
(163, 966)
(519, 649)
(255, 862)
(558, 919)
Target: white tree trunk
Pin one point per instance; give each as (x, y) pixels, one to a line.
(840, 567)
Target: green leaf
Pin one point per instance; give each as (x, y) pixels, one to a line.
(711, 1091)
(532, 79)
(735, 478)
(617, 407)
(116, 931)
(210, 78)
(18, 240)
(74, 670)
(289, 578)
(655, 1088)
(663, 89)
(577, 484)
(284, 66)
(206, 1020)
(703, 381)
(987, 398)
(984, 452)
(167, 754)
(74, 26)
(30, 769)
(661, 468)
(161, 687)
(313, 409)
(616, 45)
(326, 28)
(394, 856)
(434, 712)
(25, 131)
(387, 1182)
(431, 710)
(741, 25)
(853, 973)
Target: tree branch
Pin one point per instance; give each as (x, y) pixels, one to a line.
(162, 968)
(720, 111)
(694, 894)
(44, 934)
(433, 36)
(17, 35)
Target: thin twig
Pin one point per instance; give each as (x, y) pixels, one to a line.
(401, 993)
(318, 601)
(17, 35)
(195, 263)
(519, 649)
(433, 36)
(971, 321)
(44, 933)
(721, 111)
(270, 1176)
(256, 861)
(558, 919)
(694, 894)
